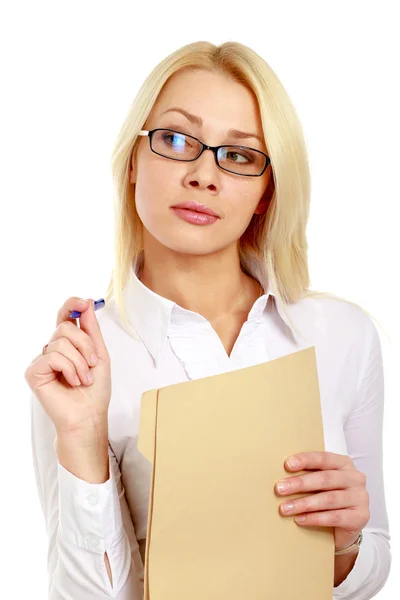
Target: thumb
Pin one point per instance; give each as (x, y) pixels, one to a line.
(89, 324)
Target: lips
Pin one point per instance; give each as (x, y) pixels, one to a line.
(196, 207)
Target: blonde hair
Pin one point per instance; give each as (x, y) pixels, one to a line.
(275, 241)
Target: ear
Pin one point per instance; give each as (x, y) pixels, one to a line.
(263, 205)
(132, 175)
(133, 166)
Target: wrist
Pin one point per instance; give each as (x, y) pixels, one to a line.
(88, 429)
(85, 454)
(351, 547)
(344, 564)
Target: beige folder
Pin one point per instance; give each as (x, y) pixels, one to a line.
(217, 446)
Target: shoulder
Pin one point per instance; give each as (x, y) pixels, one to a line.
(334, 318)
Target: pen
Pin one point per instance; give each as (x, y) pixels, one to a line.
(97, 305)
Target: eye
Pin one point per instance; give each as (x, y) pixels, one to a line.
(176, 140)
(231, 154)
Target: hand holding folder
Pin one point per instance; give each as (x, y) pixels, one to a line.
(217, 446)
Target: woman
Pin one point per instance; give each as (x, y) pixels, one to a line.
(199, 289)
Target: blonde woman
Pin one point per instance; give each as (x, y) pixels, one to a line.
(212, 198)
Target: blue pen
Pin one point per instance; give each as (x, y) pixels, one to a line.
(97, 305)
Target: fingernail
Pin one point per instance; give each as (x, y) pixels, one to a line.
(97, 305)
(90, 377)
(93, 359)
(282, 486)
(300, 519)
(287, 506)
(293, 462)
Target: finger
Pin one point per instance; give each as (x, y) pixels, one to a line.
(48, 364)
(78, 338)
(89, 324)
(320, 480)
(318, 460)
(65, 348)
(336, 499)
(73, 303)
(347, 518)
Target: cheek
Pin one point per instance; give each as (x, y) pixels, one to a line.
(151, 191)
(242, 209)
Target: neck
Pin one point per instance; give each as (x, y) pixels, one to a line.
(213, 285)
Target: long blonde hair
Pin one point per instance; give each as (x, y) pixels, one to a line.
(274, 241)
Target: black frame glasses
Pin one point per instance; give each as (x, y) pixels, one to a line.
(214, 150)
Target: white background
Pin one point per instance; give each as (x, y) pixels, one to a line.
(69, 73)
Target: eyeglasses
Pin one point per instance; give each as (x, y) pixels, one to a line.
(175, 145)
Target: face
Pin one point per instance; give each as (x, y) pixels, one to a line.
(222, 104)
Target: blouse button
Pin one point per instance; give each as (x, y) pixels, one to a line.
(92, 541)
(92, 499)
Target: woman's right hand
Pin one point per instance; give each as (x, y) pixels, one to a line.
(73, 408)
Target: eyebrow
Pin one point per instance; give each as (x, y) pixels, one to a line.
(235, 133)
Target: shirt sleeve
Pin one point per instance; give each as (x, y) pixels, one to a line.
(363, 432)
(83, 522)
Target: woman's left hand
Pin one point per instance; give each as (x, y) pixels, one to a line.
(341, 501)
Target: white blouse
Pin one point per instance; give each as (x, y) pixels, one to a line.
(84, 520)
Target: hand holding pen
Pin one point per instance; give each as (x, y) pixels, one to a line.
(72, 377)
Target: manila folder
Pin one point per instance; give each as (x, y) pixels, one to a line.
(217, 447)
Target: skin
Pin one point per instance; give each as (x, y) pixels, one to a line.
(199, 268)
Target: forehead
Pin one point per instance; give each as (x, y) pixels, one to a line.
(220, 101)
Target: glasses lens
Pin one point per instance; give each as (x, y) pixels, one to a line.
(175, 145)
(236, 159)
(241, 160)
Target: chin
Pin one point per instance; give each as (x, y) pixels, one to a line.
(198, 245)
(193, 247)
(184, 238)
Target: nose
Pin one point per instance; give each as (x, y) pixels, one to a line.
(212, 155)
(203, 172)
